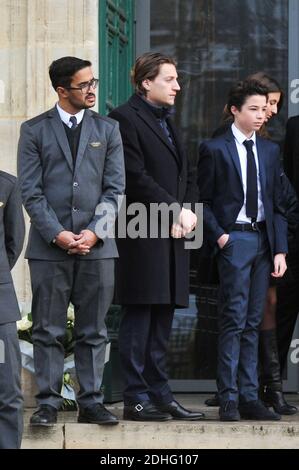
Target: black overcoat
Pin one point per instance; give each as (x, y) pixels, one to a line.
(152, 271)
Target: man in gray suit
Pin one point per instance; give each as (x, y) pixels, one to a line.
(70, 162)
(12, 232)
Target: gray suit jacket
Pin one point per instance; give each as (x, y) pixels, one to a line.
(59, 196)
(12, 231)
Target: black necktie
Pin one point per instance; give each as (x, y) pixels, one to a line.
(73, 120)
(251, 191)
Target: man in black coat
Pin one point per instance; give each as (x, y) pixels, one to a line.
(152, 273)
(12, 232)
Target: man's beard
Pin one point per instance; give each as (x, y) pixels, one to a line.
(83, 105)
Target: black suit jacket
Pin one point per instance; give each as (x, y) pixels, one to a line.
(151, 271)
(221, 189)
(12, 230)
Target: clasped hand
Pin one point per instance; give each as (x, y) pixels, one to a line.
(74, 244)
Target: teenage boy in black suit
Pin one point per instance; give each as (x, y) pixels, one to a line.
(239, 183)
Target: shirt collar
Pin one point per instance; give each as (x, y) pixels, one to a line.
(65, 117)
(240, 137)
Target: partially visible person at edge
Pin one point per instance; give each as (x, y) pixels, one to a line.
(270, 377)
(152, 274)
(12, 231)
(288, 293)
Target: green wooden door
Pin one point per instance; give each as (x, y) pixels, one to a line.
(116, 52)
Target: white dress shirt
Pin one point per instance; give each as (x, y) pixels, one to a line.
(65, 117)
(242, 152)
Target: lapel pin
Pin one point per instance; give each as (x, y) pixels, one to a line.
(95, 144)
(1, 203)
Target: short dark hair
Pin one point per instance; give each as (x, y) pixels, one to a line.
(242, 90)
(62, 70)
(147, 67)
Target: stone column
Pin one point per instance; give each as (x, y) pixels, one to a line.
(33, 33)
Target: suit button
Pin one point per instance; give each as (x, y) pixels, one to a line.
(75, 184)
(75, 209)
(180, 178)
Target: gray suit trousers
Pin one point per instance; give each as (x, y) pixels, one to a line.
(89, 285)
(11, 400)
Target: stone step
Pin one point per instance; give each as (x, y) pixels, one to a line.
(207, 434)
(130, 435)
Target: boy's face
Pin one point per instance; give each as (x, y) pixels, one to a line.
(252, 114)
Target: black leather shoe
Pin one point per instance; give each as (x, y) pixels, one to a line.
(177, 411)
(214, 401)
(96, 414)
(256, 410)
(228, 411)
(145, 411)
(45, 415)
(276, 399)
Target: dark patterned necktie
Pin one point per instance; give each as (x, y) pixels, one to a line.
(251, 190)
(73, 120)
(166, 130)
